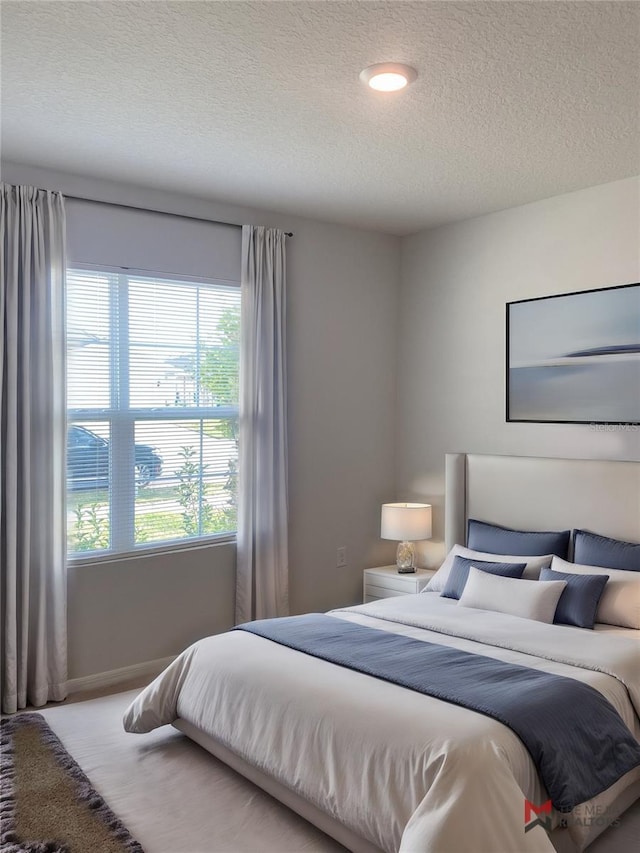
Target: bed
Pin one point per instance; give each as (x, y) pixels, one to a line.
(380, 767)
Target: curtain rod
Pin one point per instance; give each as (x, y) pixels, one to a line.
(161, 212)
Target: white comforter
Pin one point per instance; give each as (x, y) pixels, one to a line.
(405, 771)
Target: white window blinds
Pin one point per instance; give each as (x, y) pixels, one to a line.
(152, 399)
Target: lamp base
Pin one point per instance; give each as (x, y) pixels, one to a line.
(405, 558)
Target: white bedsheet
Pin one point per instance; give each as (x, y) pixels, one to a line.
(403, 770)
(632, 633)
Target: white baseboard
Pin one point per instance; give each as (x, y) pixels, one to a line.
(117, 676)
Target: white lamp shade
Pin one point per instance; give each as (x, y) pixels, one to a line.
(406, 522)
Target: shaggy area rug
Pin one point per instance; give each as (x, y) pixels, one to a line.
(47, 804)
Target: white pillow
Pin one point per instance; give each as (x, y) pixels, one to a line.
(532, 572)
(620, 602)
(528, 599)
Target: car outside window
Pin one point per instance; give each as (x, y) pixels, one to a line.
(152, 405)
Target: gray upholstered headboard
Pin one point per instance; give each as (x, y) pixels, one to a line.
(532, 493)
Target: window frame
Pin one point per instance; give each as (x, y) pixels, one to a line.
(122, 420)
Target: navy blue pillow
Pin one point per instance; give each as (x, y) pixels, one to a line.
(580, 597)
(494, 539)
(459, 574)
(590, 549)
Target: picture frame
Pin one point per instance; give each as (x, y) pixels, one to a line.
(574, 358)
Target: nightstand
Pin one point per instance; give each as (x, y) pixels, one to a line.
(385, 582)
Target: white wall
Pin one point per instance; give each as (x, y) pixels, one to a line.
(342, 319)
(455, 283)
(373, 366)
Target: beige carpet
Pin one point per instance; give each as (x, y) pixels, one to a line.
(176, 798)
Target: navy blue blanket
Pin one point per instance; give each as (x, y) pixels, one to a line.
(577, 739)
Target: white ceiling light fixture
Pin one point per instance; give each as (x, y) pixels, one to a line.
(388, 76)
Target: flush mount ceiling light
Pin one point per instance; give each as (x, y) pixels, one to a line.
(388, 76)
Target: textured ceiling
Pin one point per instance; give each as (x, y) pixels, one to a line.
(260, 103)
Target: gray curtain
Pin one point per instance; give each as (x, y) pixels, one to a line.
(32, 447)
(262, 580)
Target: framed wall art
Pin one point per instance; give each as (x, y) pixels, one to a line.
(575, 358)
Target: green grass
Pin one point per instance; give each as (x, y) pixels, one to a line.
(88, 535)
(159, 526)
(87, 497)
(145, 495)
(223, 428)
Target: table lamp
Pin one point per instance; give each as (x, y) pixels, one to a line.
(406, 522)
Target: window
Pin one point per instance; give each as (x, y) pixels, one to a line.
(152, 405)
